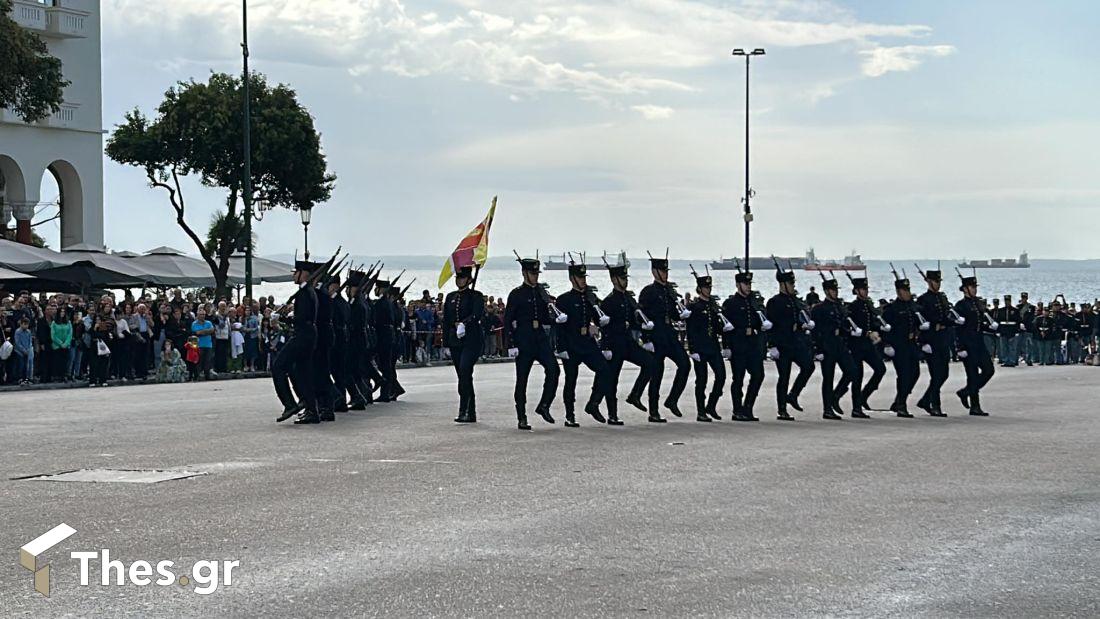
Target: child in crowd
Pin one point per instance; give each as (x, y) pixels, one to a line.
(24, 352)
(192, 349)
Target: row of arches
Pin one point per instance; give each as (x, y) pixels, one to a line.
(53, 195)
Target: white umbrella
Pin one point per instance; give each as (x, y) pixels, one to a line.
(22, 257)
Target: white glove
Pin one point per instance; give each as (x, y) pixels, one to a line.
(960, 321)
(888, 351)
(461, 330)
(924, 326)
(607, 355)
(695, 357)
(562, 355)
(809, 326)
(562, 319)
(726, 353)
(767, 325)
(994, 326)
(684, 315)
(649, 347)
(886, 328)
(605, 320)
(513, 353)
(727, 327)
(648, 326)
(857, 332)
(962, 354)
(926, 349)
(773, 354)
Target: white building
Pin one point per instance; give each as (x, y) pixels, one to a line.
(69, 143)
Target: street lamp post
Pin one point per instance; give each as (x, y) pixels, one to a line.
(307, 213)
(748, 190)
(246, 184)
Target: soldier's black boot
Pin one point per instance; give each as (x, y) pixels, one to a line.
(521, 417)
(327, 415)
(357, 405)
(654, 415)
(783, 415)
(613, 412)
(570, 420)
(976, 407)
(290, 411)
(829, 412)
(925, 405)
(793, 401)
(543, 410)
(937, 411)
(341, 406)
(673, 407)
(464, 417)
(307, 417)
(901, 409)
(635, 400)
(593, 409)
(964, 397)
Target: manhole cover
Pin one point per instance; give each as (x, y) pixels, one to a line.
(115, 476)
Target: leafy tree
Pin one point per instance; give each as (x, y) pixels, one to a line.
(198, 130)
(218, 230)
(31, 84)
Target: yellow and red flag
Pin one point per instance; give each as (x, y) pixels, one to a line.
(473, 250)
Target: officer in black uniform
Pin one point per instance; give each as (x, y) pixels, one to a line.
(864, 347)
(660, 303)
(936, 340)
(976, 358)
(383, 321)
(1008, 334)
(705, 327)
(576, 344)
(463, 311)
(341, 313)
(902, 314)
(324, 391)
(357, 386)
(745, 342)
(527, 320)
(832, 330)
(626, 338)
(399, 320)
(295, 356)
(790, 342)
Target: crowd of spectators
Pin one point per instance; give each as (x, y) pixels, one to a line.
(421, 339)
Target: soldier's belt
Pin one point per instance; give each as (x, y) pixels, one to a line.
(584, 330)
(534, 324)
(940, 327)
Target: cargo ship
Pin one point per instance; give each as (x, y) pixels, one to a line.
(555, 264)
(851, 262)
(757, 263)
(809, 262)
(997, 263)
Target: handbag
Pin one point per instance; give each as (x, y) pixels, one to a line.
(5, 350)
(101, 348)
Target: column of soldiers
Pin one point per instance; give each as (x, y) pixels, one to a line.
(578, 329)
(342, 347)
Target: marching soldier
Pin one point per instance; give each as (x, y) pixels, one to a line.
(833, 328)
(576, 344)
(528, 315)
(976, 358)
(661, 304)
(341, 314)
(383, 316)
(295, 356)
(463, 311)
(324, 392)
(789, 342)
(1009, 320)
(936, 341)
(864, 347)
(400, 318)
(625, 338)
(358, 354)
(705, 326)
(903, 316)
(746, 345)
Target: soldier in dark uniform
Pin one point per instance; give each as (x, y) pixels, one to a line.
(576, 344)
(659, 302)
(382, 315)
(626, 338)
(1026, 312)
(832, 330)
(358, 388)
(705, 327)
(527, 320)
(976, 358)
(864, 347)
(790, 342)
(399, 321)
(936, 341)
(745, 342)
(341, 313)
(902, 314)
(1008, 352)
(295, 357)
(463, 311)
(324, 392)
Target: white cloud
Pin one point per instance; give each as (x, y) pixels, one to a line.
(882, 60)
(654, 112)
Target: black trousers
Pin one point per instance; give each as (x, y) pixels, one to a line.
(836, 356)
(864, 351)
(386, 356)
(542, 352)
(354, 364)
(667, 346)
(292, 364)
(747, 357)
(717, 365)
(793, 353)
(979, 370)
(339, 361)
(464, 358)
(907, 370)
(324, 391)
(592, 357)
(939, 364)
(632, 352)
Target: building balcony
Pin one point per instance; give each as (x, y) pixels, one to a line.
(47, 18)
(30, 14)
(64, 118)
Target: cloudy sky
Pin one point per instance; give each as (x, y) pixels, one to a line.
(932, 128)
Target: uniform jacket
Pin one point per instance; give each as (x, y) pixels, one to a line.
(468, 308)
(578, 333)
(527, 316)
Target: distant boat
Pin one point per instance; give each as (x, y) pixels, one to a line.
(554, 264)
(997, 263)
(757, 263)
(852, 262)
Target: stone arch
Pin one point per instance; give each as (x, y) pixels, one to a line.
(13, 189)
(72, 201)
